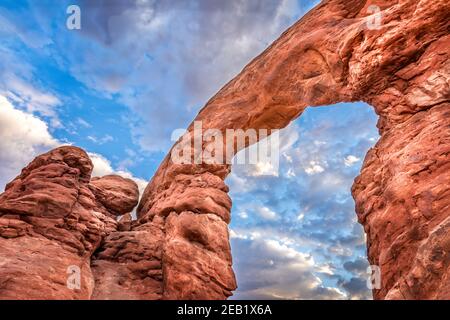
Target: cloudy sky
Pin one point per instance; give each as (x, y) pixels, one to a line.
(139, 69)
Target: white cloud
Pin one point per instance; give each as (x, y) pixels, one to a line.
(102, 140)
(313, 168)
(218, 38)
(290, 173)
(315, 211)
(84, 123)
(351, 160)
(266, 213)
(235, 235)
(263, 168)
(237, 182)
(319, 143)
(23, 136)
(243, 215)
(31, 98)
(269, 268)
(102, 166)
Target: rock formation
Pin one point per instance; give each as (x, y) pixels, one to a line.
(336, 54)
(52, 219)
(54, 216)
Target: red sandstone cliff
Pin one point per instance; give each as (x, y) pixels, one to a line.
(53, 216)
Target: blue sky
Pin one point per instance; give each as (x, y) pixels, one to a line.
(139, 69)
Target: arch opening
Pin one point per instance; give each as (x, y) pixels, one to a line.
(399, 195)
(294, 232)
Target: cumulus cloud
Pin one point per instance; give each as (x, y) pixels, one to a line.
(351, 160)
(357, 288)
(32, 99)
(273, 269)
(19, 79)
(357, 267)
(266, 213)
(314, 168)
(22, 137)
(357, 284)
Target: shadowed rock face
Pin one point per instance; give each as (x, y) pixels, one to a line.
(53, 216)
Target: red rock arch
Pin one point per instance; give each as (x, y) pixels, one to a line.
(402, 194)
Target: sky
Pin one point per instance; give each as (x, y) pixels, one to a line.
(139, 69)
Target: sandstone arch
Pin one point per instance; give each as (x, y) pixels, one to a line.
(53, 216)
(402, 194)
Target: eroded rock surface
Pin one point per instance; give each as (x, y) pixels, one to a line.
(334, 54)
(51, 223)
(53, 215)
(403, 202)
(117, 194)
(129, 264)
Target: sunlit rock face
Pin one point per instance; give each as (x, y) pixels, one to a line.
(56, 222)
(397, 61)
(51, 223)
